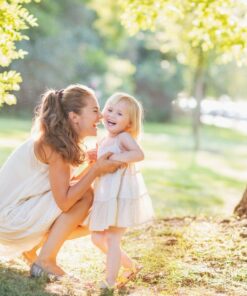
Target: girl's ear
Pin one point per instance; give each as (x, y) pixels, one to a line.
(128, 128)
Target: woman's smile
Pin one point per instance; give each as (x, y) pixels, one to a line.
(89, 119)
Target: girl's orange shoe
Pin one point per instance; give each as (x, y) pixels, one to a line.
(128, 275)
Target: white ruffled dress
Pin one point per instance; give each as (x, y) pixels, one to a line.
(27, 206)
(121, 198)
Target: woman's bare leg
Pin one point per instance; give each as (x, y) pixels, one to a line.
(31, 255)
(65, 224)
(79, 232)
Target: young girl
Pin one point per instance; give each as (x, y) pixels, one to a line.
(120, 199)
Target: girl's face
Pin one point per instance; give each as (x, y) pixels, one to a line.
(116, 118)
(86, 122)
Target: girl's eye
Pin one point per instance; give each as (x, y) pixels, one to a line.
(120, 114)
(109, 110)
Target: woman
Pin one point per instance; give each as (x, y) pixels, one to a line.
(41, 201)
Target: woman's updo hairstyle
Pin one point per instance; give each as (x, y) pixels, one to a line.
(53, 126)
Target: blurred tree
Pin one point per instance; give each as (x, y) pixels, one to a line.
(241, 208)
(227, 79)
(157, 77)
(108, 24)
(67, 48)
(74, 44)
(14, 18)
(200, 33)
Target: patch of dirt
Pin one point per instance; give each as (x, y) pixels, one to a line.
(181, 256)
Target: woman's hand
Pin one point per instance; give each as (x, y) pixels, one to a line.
(107, 166)
(92, 155)
(65, 193)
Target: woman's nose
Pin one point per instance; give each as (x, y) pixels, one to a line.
(100, 116)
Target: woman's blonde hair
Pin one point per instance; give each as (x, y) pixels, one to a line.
(135, 111)
(53, 126)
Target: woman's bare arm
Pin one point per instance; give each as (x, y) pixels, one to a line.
(67, 194)
(81, 173)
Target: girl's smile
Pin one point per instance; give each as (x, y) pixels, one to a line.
(116, 118)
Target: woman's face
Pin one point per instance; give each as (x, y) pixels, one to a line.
(86, 122)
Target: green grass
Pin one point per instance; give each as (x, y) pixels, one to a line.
(183, 182)
(180, 181)
(12, 132)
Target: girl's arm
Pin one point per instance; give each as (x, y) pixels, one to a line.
(132, 151)
(67, 194)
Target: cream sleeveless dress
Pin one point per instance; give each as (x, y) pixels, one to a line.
(27, 206)
(121, 198)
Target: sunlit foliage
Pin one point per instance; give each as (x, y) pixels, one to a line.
(14, 18)
(192, 28)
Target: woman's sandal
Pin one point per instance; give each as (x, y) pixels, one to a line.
(37, 271)
(128, 275)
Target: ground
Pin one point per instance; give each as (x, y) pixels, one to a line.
(186, 256)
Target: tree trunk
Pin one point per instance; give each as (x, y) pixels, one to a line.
(241, 208)
(198, 94)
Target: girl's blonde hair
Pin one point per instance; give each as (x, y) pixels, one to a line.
(135, 111)
(53, 126)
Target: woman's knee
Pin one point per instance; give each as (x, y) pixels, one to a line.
(86, 201)
(83, 205)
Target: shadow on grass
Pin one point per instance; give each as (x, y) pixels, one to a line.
(15, 282)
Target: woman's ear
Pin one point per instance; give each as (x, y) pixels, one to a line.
(73, 117)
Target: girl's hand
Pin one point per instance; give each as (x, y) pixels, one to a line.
(92, 155)
(107, 166)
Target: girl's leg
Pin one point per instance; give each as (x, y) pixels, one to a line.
(60, 231)
(113, 259)
(99, 238)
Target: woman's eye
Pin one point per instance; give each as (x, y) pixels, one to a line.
(109, 110)
(120, 114)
